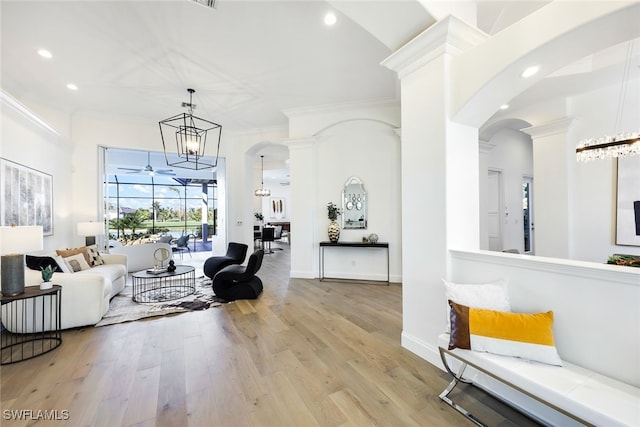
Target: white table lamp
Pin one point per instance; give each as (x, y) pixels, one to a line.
(89, 230)
(14, 242)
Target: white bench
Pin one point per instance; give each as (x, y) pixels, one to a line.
(583, 395)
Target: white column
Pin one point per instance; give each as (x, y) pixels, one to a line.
(440, 206)
(303, 212)
(552, 167)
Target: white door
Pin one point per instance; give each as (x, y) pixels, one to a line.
(494, 210)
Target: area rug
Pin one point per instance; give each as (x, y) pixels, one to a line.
(123, 309)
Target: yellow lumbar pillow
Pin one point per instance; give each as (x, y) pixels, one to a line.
(525, 335)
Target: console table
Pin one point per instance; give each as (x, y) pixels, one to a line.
(34, 318)
(341, 245)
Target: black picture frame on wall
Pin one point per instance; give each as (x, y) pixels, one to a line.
(628, 202)
(26, 196)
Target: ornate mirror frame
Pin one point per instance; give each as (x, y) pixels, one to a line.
(354, 205)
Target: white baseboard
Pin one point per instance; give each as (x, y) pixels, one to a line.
(423, 349)
(296, 274)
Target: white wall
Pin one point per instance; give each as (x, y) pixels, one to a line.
(594, 183)
(277, 192)
(26, 142)
(338, 143)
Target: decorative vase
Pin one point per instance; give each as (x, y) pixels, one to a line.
(46, 285)
(334, 231)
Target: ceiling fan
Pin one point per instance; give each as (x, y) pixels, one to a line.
(149, 169)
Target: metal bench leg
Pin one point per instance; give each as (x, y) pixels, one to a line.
(457, 378)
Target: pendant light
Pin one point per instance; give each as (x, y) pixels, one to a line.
(262, 192)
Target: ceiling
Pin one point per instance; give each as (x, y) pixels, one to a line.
(248, 61)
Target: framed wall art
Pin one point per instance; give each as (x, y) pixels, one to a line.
(628, 201)
(26, 196)
(277, 207)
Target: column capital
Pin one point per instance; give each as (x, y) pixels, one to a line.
(548, 129)
(450, 35)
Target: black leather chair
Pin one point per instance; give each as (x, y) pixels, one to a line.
(236, 253)
(239, 282)
(268, 236)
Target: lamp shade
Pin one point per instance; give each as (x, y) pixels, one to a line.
(18, 240)
(90, 229)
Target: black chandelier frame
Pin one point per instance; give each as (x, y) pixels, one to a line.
(190, 134)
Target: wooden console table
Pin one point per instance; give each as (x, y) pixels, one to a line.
(323, 245)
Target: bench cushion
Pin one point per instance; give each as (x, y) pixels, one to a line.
(595, 398)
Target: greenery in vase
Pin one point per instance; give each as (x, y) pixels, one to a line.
(628, 260)
(259, 216)
(47, 273)
(333, 211)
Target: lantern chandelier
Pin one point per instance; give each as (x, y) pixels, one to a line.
(262, 192)
(620, 144)
(190, 133)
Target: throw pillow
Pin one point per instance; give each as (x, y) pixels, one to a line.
(62, 264)
(493, 296)
(66, 253)
(94, 256)
(39, 262)
(525, 335)
(77, 262)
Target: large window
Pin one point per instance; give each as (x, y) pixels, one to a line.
(144, 204)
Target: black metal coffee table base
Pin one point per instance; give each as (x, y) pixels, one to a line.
(153, 288)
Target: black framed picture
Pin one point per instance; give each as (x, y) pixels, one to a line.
(26, 196)
(628, 202)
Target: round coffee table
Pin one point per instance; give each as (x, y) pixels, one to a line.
(167, 286)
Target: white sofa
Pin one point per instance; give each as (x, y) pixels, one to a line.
(85, 294)
(140, 256)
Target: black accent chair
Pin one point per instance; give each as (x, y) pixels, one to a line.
(236, 253)
(239, 282)
(268, 236)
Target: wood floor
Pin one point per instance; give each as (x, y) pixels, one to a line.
(306, 353)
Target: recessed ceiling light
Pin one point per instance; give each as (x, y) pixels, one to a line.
(504, 106)
(45, 53)
(530, 71)
(71, 86)
(330, 18)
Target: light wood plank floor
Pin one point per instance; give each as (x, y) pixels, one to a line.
(306, 353)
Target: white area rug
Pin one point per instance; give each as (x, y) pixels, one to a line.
(123, 309)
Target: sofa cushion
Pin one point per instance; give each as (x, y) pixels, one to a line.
(66, 253)
(108, 271)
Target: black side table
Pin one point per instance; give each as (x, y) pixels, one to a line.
(31, 323)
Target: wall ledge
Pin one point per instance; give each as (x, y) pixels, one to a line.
(590, 270)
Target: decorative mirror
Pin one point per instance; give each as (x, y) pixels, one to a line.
(354, 205)
(160, 256)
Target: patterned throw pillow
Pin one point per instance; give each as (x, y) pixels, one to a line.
(525, 335)
(94, 256)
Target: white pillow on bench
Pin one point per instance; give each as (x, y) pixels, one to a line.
(492, 296)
